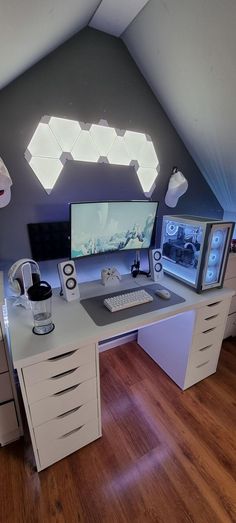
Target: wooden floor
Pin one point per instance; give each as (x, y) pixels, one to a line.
(165, 456)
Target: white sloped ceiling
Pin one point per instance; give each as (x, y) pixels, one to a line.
(30, 29)
(186, 50)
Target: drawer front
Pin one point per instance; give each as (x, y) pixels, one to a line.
(5, 387)
(8, 420)
(57, 365)
(58, 448)
(53, 406)
(66, 422)
(200, 357)
(3, 359)
(212, 315)
(62, 382)
(199, 372)
(211, 336)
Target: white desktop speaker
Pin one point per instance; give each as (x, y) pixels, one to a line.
(155, 263)
(68, 279)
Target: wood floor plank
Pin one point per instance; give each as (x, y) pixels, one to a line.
(166, 456)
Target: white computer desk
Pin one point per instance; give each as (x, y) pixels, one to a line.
(59, 372)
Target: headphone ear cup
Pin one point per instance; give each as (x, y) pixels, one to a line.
(17, 286)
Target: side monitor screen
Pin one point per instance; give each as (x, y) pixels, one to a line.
(100, 227)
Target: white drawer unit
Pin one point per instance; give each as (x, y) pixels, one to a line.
(10, 419)
(62, 402)
(6, 393)
(3, 358)
(230, 283)
(9, 426)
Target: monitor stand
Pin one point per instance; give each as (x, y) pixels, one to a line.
(135, 267)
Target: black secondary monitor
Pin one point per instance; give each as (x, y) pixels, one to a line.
(101, 227)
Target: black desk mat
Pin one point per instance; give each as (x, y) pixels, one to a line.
(102, 316)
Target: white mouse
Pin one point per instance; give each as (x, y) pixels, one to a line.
(163, 293)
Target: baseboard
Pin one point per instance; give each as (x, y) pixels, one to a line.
(117, 341)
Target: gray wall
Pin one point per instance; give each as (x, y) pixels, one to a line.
(92, 76)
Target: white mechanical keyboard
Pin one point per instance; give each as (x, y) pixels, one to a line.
(127, 300)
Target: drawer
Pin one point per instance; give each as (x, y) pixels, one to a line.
(66, 422)
(57, 365)
(3, 359)
(212, 315)
(199, 372)
(57, 448)
(211, 336)
(8, 421)
(209, 353)
(61, 382)
(61, 402)
(5, 387)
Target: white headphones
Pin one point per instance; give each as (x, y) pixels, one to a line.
(15, 275)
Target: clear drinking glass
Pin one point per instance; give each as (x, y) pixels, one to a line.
(40, 296)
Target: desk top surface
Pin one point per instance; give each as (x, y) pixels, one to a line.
(74, 328)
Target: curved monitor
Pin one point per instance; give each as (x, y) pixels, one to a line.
(101, 227)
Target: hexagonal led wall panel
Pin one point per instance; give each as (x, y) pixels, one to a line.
(57, 140)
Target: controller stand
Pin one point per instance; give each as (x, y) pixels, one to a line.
(135, 267)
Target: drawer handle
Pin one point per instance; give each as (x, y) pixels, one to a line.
(62, 356)
(65, 414)
(58, 376)
(71, 432)
(212, 317)
(205, 348)
(66, 390)
(202, 364)
(209, 330)
(214, 304)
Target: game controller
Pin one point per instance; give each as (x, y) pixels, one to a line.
(110, 276)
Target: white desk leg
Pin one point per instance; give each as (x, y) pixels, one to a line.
(169, 343)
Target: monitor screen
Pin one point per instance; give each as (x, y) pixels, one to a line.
(100, 227)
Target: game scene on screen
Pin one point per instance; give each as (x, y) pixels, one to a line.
(111, 226)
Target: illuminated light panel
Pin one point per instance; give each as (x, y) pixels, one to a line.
(43, 143)
(147, 157)
(118, 154)
(103, 138)
(54, 137)
(147, 179)
(134, 141)
(65, 131)
(84, 149)
(47, 171)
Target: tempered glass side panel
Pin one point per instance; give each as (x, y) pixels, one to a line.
(182, 244)
(215, 255)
